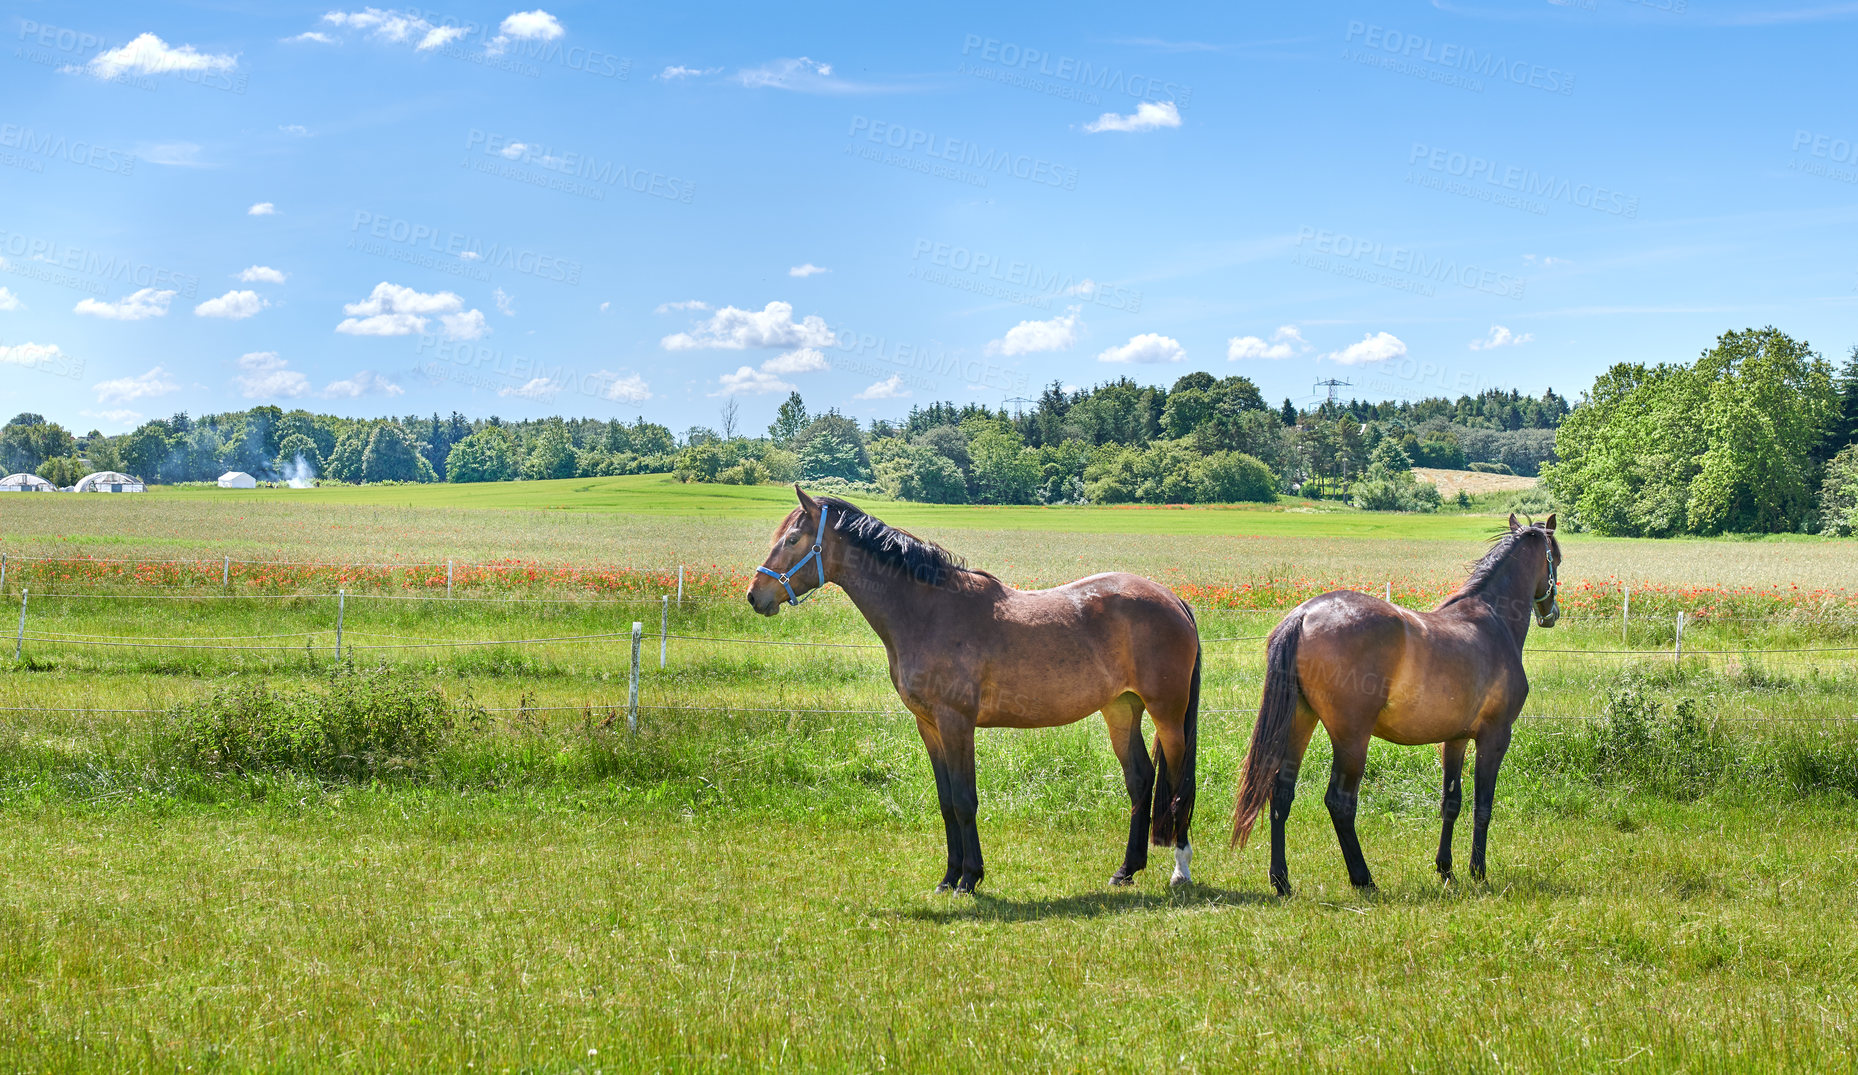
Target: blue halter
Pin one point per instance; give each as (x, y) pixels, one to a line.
(782, 577)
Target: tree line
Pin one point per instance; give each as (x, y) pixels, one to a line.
(1759, 435)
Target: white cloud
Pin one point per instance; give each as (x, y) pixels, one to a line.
(150, 55)
(1373, 347)
(394, 310)
(605, 306)
(28, 354)
(470, 255)
(313, 35)
(630, 388)
(537, 25)
(537, 388)
(505, 305)
(803, 75)
(774, 326)
(809, 269)
(10, 301)
(889, 388)
(1033, 337)
(804, 360)
(1500, 337)
(1148, 116)
(261, 274)
(469, 325)
(296, 129)
(513, 151)
(233, 306)
(1285, 342)
(749, 381)
(687, 304)
(121, 416)
(440, 36)
(395, 26)
(1147, 349)
(266, 376)
(675, 72)
(262, 209)
(1546, 261)
(365, 383)
(137, 306)
(172, 154)
(129, 389)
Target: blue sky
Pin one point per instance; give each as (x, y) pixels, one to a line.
(657, 209)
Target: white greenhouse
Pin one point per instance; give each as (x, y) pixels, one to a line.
(26, 483)
(108, 481)
(237, 479)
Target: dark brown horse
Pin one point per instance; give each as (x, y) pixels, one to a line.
(968, 651)
(1363, 667)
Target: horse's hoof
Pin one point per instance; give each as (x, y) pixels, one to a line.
(1179, 879)
(966, 886)
(1367, 888)
(1282, 885)
(1120, 879)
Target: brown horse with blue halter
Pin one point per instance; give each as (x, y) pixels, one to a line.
(1362, 667)
(968, 651)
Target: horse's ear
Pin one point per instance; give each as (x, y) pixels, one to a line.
(1550, 524)
(807, 503)
(1514, 525)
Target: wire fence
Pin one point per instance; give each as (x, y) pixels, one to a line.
(340, 639)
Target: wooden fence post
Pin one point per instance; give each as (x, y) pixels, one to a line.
(1680, 633)
(19, 643)
(664, 624)
(680, 587)
(1625, 619)
(632, 690)
(225, 573)
(448, 580)
(341, 608)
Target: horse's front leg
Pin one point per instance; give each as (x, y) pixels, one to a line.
(957, 734)
(1451, 754)
(932, 742)
(1490, 750)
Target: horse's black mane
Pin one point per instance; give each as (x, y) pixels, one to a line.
(1501, 545)
(892, 547)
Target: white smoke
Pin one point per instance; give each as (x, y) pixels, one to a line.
(299, 473)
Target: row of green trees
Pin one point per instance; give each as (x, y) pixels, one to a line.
(1757, 436)
(1203, 440)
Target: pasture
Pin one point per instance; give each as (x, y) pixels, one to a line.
(744, 883)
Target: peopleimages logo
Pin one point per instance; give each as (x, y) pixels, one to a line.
(412, 237)
(1375, 262)
(1525, 182)
(1416, 48)
(58, 147)
(1085, 75)
(962, 153)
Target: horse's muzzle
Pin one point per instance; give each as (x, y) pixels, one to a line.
(1548, 619)
(770, 608)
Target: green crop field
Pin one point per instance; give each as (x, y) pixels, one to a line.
(506, 878)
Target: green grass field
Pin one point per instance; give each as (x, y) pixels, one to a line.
(744, 884)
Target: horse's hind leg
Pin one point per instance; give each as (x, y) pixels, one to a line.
(957, 734)
(1351, 758)
(1451, 754)
(1285, 792)
(1174, 795)
(1124, 718)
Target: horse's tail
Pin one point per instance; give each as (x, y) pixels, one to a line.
(1271, 735)
(1175, 793)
